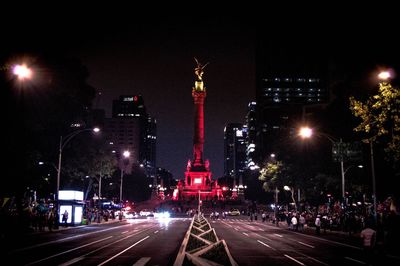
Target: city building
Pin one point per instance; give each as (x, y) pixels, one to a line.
(131, 128)
(235, 156)
(234, 149)
(251, 136)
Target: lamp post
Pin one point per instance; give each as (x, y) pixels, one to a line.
(291, 189)
(125, 155)
(63, 142)
(199, 203)
(384, 77)
(306, 132)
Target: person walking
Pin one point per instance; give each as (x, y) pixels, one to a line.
(65, 218)
(50, 220)
(317, 224)
(302, 221)
(368, 236)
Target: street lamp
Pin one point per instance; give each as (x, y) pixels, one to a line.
(22, 72)
(383, 76)
(291, 189)
(125, 155)
(63, 142)
(306, 132)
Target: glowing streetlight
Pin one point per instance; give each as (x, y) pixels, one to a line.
(22, 72)
(305, 132)
(384, 75)
(126, 155)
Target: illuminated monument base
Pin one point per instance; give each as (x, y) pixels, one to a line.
(197, 184)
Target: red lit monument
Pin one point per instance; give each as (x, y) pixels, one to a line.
(198, 180)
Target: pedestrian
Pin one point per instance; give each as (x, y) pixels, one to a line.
(294, 223)
(368, 236)
(50, 220)
(318, 224)
(65, 218)
(263, 216)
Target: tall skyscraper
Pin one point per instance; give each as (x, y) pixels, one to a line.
(234, 150)
(132, 128)
(251, 136)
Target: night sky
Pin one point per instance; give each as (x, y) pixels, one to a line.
(152, 55)
(158, 63)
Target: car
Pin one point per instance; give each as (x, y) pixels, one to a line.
(234, 212)
(131, 215)
(146, 213)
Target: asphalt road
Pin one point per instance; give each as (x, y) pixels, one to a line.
(156, 242)
(132, 242)
(257, 243)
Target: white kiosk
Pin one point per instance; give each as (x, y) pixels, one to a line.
(72, 202)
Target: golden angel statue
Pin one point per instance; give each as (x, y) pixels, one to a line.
(199, 70)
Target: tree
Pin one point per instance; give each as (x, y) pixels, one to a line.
(380, 116)
(270, 174)
(88, 157)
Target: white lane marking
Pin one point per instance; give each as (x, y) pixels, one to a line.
(268, 246)
(278, 235)
(307, 245)
(142, 261)
(358, 261)
(227, 224)
(94, 251)
(124, 232)
(155, 232)
(73, 261)
(293, 259)
(67, 238)
(263, 237)
(70, 250)
(107, 245)
(327, 240)
(116, 255)
(245, 234)
(311, 258)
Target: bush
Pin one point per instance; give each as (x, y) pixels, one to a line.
(205, 227)
(195, 231)
(210, 236)
(217, 254)
(194, 243)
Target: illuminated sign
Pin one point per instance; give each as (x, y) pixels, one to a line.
(197, 180)
(130, 99)
(70, 195)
